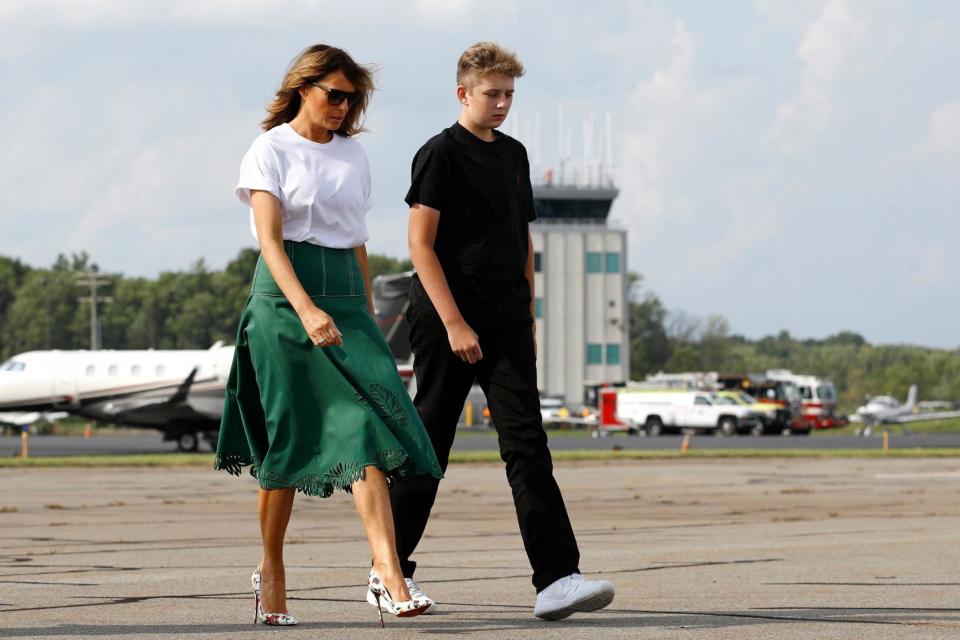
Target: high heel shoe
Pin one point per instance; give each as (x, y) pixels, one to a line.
(405, 609)
(272, 619)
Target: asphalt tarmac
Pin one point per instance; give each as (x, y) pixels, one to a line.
(699, 549)
(138, 441)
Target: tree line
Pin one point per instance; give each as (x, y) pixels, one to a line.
(43, 308)
(192, 309)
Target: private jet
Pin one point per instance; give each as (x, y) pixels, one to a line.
(180, 393)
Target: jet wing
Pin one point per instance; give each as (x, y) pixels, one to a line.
(924, 417)
(154, 409)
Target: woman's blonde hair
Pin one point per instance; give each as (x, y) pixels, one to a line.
(486, 57)
(312, 64)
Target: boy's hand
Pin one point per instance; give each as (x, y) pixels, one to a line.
(464, 341)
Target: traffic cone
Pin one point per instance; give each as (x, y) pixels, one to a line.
(88, 430)
(685, 445)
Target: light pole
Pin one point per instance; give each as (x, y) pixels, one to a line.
(93, 279)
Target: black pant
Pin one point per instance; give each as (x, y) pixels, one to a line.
(508, 376)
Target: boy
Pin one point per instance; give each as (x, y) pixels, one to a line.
(471, 318)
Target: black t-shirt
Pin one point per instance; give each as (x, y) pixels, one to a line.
(482, 190)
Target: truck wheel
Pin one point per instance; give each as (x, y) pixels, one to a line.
(654, 426)
(187, 441)
(727, 427)
(757, 429)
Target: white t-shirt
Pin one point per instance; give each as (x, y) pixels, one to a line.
(324, 189)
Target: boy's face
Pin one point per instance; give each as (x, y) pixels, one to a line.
(488, 101)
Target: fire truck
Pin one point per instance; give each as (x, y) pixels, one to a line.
(818, 397)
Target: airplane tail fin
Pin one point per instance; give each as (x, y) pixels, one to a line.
(912, 397)
(184, 389)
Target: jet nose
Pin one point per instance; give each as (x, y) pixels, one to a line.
(18, 390)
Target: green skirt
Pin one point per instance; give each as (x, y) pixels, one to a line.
(313, 418)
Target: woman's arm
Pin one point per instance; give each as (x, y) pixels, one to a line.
(361, 252)
(268, 218)
(421, 235)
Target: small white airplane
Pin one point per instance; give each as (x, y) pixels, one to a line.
(179, 393)
(889, 410)
(20, 419)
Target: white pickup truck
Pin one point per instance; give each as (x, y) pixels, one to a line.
(656, 412)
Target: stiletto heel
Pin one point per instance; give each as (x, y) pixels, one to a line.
(405, 609)
(271, 619)
(376, 594)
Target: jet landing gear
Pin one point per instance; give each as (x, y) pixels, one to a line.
(188, 441)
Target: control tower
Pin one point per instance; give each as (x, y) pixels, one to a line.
(580, 303)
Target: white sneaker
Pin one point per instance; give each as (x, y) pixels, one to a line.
(415, 593)
(571, 594)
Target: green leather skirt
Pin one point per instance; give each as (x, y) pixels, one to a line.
(313, 418)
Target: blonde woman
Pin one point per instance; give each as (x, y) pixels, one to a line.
(314, 402)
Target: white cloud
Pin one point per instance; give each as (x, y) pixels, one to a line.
(789, 12)
(80, 14)
(844, 41)
(661, 132)
(127, 181)
(756, 216)
(943, 132)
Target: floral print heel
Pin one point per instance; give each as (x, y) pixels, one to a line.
(405, 609)
(271, 619)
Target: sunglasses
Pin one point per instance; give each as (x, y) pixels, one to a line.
(336, 96)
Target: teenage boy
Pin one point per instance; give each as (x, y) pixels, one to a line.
(471, 319)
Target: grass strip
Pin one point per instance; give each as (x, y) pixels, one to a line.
(206, 460)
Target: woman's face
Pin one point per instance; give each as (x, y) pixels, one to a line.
(317, 101)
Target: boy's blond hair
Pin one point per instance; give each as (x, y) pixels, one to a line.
(486, 57)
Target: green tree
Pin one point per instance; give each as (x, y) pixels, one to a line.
(12, 273)
(381, 264)
(715, 343)
(649, 343)
(45, 314)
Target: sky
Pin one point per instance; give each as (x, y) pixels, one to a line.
(787, 164)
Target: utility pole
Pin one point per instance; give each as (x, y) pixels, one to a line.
(93, 279)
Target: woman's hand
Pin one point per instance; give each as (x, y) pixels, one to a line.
(464, 341)
(320, 327)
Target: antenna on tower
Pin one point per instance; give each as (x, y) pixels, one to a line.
(588, 148)
(561, 145)
(608, 148)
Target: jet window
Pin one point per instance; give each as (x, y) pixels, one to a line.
(160, 369)
(13, 365)
(135, 370)
(91, 369)
(112, 370)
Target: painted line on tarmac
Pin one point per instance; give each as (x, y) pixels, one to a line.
(917, 475)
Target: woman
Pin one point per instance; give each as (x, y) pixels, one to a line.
(314, 401)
